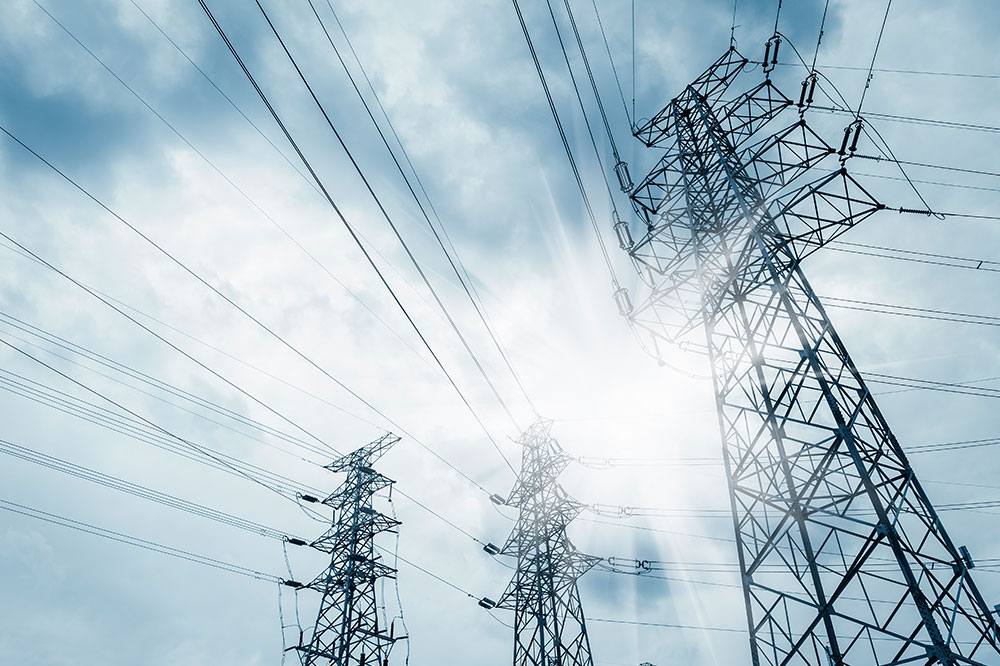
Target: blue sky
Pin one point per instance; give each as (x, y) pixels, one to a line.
(457, 80)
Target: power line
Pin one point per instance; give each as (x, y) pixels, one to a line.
(107, 302)
(215, 168)
(868, 81)
(152, 382)
(819, 37)
(121, 537)
(469, 282)
(593, 83)
(196, 447)
(62, 402)
(287, 486)
(133, 428)
(933, 122)
(665, 625)
(611, 59)
(409, 254)
(87, 474)
(899, 71)
(110, 299)
(219, 90)
(921, 257)
(878, 158)
(914, 312)
(420, 206)
(566, 146)
(186, 269)
(583, 108)
(17, 249)
(343, 219)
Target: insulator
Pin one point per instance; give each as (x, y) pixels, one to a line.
(812, 89)
(802, 95)
(623, 233)
(624, 179)
(309, 498)
(623, 301)
(392, 628)
(771, 53)
(295, 541)
(857, 135)
(967, 557)
(294, 584)
(491, 549)
(366, 470)
(369, 511)
(843, 144)
(363, 657)
(487, 603)
(496, 499)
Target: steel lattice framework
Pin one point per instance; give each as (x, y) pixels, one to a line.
(843, 558)
(549, 625)
(347, 631)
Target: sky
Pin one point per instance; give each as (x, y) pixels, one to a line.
(185, 152)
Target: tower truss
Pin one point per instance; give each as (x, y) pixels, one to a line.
(844, 560)
(347, 630)
(549, 625)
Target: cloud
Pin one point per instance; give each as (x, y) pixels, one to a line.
(459, 85)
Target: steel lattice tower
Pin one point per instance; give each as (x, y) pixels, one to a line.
(347, 631)
(844, 560)
(549, 625)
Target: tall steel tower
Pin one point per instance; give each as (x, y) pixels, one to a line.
(844, 560)
(347, 631)
(549, 626)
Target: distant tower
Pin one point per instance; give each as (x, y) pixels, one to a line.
(347, 631)
(549, 626)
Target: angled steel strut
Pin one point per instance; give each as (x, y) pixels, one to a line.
(844, 560)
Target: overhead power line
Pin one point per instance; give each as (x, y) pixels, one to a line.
(284, 231)
(143, 492)
(176, 261)
(566, 146)
(345, 222)
(136, 542)
(141, 431)
(155, 384)
(477, 306)
(188, 443)
(406, 249)
(611, 59)
(883, 70)
(108, 299)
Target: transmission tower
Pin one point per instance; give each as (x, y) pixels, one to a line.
(549, 626)
(347, 630)
(844, 560)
